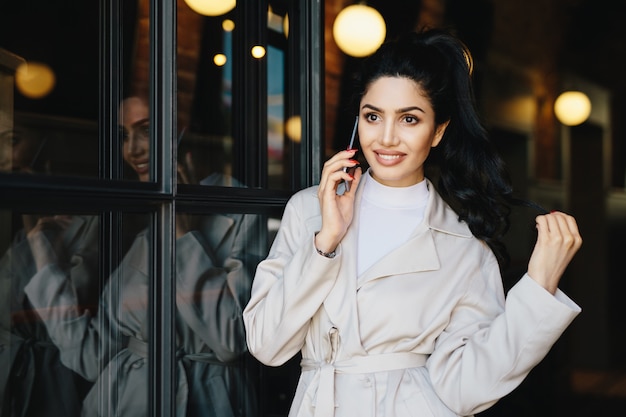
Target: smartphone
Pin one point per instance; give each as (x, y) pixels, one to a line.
(350, 145)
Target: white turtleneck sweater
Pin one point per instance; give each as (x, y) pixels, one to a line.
(388, 217)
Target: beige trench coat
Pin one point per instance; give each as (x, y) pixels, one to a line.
(426, 331)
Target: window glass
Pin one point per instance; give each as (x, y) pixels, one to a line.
(205, 109)
(284, 128)
(204, 96)
(216, 256)
(48, 118)
(49, 283)
(276, 127)
(52, 85)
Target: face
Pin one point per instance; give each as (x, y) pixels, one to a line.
(20, 148)
(397, 130)
(134, 115)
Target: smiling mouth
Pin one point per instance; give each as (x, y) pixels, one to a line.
(388, 157)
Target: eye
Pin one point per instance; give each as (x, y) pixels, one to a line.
(15, 137)
(371, 117)
(145, 129)
(409, 118)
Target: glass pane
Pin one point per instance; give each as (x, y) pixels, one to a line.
(134, 110)
(49, 288)
(135, 133)
(216, 256)
(276, 128)
(284, 124)
(205, 60)
(50, 84)
(48, 119)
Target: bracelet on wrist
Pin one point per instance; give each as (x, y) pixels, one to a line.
(326, 254)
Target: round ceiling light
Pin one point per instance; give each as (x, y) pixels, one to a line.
(359, 30)
(211, 7)
(572, 108)
(34, 79)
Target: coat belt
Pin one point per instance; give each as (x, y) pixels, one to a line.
(325, 396)
(140, 348)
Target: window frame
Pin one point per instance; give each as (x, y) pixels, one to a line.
(163, 197)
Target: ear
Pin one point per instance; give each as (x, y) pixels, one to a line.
(439, 133)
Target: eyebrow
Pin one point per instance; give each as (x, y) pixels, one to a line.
(402, 110)
(140, 122)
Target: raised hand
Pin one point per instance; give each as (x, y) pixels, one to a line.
(337, 210)
(558, 240)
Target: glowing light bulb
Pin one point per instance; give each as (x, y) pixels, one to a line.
(258, 51)
(359, 30)
(211, 7)
(572, 108)
(219, 59)
(34, 79)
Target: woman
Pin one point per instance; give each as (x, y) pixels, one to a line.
(391, 289)
(214, 258)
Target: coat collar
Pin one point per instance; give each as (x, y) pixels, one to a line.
(419, 252)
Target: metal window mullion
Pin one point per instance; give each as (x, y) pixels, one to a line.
(162, 311)
(310, 55)
(162, 131)
(250, 94)
(110, 162)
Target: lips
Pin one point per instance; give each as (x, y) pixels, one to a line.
(389, 159)
(141, 167)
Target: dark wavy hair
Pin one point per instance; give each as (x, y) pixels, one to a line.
(470, 175)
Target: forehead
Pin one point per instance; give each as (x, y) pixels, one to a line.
(399, 90)
(133, 110)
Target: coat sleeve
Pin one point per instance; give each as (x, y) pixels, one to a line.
(491, 344)
(289, 286)
(79, 335)
(87, 339)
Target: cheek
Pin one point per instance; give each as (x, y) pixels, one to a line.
(125, 151)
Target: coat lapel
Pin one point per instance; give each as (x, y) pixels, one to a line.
(216, 229)
(419, 252)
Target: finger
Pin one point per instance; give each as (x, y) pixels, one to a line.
(340, 160)
(354, 182)
(191, 169)
(182, 174)
(336, 163)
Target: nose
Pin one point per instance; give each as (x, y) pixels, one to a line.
(389, 137)
(136, 143)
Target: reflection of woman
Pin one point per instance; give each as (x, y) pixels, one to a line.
(32, 380)
(394, 299)
(212, 285)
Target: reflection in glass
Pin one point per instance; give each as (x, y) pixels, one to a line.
(42, 254)
(275, 115)
(53, 100)
(135, 133)
(60, 321)
(282, 132)
(59, 330)
(216, 256)
(205, 71)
